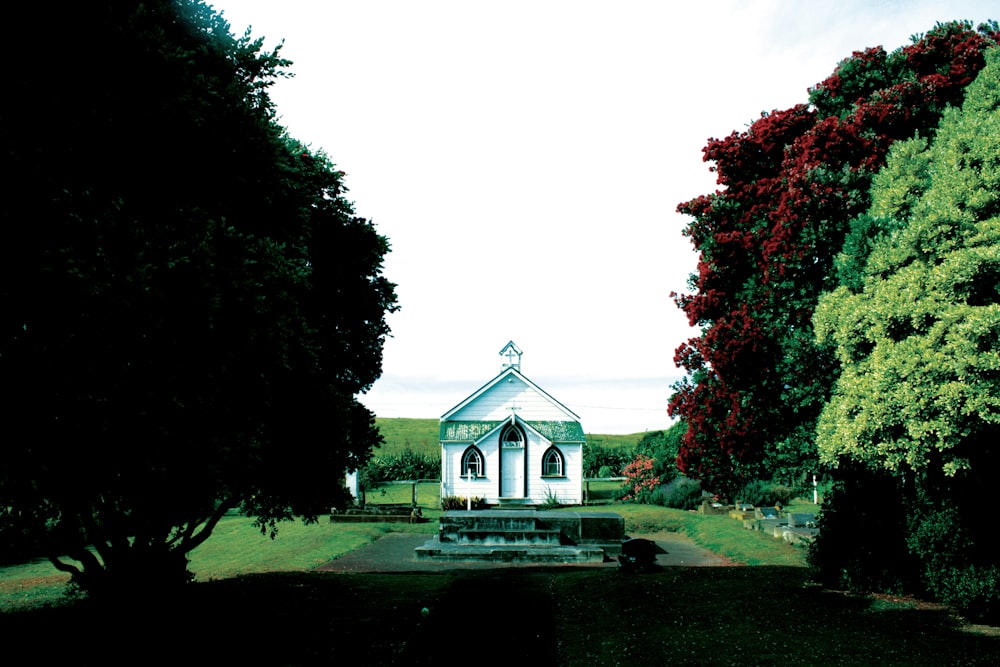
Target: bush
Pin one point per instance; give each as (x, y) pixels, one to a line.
(973, 590)
(461, 503)
(640, 480)
(404, 466)
(861, 546)
(682, 493)
(956, 571)
(551, 500)
(766, 494)
(597, 458)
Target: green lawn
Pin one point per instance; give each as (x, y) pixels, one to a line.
(258, 604)
(237, 548)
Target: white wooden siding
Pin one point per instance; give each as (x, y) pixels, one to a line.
(495, 404)
(569, 489)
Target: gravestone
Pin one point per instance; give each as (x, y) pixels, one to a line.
(637, 555)
(766, 513)
(801, 520)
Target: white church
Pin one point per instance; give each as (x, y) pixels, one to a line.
(511, 443)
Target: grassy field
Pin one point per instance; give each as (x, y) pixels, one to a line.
(417, 435)
(258, 604)
(421, 436)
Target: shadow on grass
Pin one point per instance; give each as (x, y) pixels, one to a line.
(561, 616)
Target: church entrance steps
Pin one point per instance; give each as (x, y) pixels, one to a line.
(434, 550)
(532, 536)
(526, 535)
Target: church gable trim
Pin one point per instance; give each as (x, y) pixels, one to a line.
(571, 416)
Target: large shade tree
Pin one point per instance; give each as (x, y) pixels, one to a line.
(189, 306)
(790, 185)
(916, 330)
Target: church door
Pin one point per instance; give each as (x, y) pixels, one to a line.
(512, 463)
(512, 477)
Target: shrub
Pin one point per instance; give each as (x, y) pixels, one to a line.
(605, 472)
(461, 503)
(973, 590)
(551, 501)
(766, 494)
(861, 545)
(681, 493)
(641, 479)
(406, 465)
(596, 458)
(663, 446)
(955, 570)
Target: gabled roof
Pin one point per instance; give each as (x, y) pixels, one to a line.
(506, 373)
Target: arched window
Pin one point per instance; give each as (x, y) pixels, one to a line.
(473, 464)
(512, 437)
(552, 463)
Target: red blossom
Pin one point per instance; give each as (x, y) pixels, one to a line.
(790, 185)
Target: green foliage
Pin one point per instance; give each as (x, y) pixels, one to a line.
(613, 460)
(789, 187)
(680, 493)
(404, 466)
(641, 479)
(461, 503)
(861, 545)
(918, 346)
(767, 494)
(190, 304)
(551, 501)
(956, 552)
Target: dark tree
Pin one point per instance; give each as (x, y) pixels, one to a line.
(188, 304)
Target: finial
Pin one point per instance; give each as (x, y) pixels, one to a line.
(512, 356)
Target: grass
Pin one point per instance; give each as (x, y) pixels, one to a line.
(613, 441)
(417, 435)
(428, 495)
(260, 605)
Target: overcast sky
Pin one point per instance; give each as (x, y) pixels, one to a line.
(525, 160)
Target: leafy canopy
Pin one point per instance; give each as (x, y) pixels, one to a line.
(918, 340)
(790, 185)
(188, 304)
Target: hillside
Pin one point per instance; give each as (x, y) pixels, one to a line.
(421, 436)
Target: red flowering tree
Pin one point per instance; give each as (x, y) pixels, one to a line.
(789, 186)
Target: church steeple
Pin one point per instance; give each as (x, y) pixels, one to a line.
(512, 356)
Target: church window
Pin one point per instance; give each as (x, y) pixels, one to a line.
(512, 437)
(472, 463)
(552, 463)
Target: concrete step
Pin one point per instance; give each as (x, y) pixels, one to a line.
(506, 523)
(438, 551)
(520, 537)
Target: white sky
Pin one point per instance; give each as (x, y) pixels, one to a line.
(525, 160)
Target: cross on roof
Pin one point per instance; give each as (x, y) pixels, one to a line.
(513, 412)
(512, 354)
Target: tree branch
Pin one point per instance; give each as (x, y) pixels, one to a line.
(192, 540)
